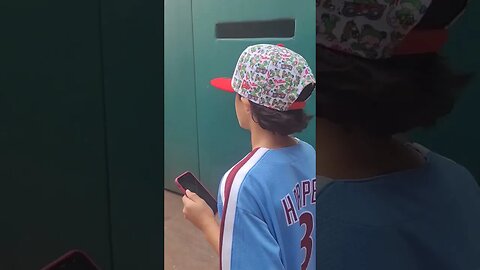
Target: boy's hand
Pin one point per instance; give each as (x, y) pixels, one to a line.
(197, 211)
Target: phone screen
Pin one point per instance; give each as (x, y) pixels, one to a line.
(73, 261)
(188, 181)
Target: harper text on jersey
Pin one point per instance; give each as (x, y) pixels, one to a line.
(303, 194)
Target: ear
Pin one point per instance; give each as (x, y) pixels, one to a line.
(245, 103)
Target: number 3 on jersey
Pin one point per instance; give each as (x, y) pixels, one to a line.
(307, 242)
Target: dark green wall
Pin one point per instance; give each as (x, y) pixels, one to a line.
(53, 159)
(457, 135)
(133, 85)
(80, 134)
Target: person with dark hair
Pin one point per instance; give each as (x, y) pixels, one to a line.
(382, 202)
(266, 201)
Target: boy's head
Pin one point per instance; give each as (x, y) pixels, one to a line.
(272, 84)
(397, 85)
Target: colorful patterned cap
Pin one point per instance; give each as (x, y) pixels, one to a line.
(376, 28)
(269, 75)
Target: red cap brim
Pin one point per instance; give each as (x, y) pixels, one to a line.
(422, 41)
(224, 84)
(298, 105)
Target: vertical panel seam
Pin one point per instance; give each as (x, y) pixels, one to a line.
(105, 134)
(195, 89)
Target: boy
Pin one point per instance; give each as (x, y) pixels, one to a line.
(266, 201)
(384, 203)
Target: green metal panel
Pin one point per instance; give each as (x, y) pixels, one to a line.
(221, 141)
(53, 196)
(132, 49)
(457, 135)
(181, 148)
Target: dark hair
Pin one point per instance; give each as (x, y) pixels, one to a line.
(388, 96)
(394, 95)
(282, 122)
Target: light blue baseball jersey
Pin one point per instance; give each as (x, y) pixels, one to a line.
(266, 203)
(423, 218)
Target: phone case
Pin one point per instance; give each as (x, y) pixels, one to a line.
(180, 187)
(66, 256)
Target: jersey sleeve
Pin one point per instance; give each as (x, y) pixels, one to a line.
(250, 245)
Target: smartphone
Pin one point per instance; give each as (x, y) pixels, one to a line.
(188, 181)
(72, 260)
